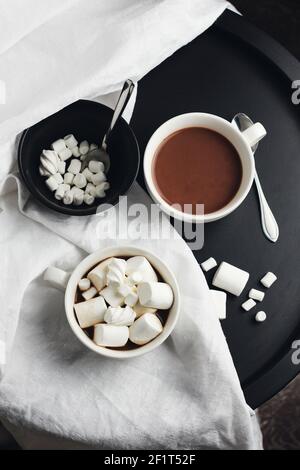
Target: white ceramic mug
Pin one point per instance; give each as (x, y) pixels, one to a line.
(242, 141)
(86, 265)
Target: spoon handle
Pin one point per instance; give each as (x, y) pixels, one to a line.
(269, 224)
(121, 105)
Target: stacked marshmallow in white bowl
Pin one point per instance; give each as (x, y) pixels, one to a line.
(67, 176)
(121, 301)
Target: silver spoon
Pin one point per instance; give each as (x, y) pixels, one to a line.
(269, 224)
(101, 154)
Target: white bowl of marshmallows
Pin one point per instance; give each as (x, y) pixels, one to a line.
(122, 302)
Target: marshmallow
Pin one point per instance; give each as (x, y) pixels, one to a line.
(230, 279)
(91, 312)
(58, 145)
(84, 147)
(61, 191)
(93, 147)
(79, 180)
(256, 295)
(100, 193)
(209, 264)
(97, 275)
(141, 310)
(78, 195)
(116, 272)
(111, 336)
(268, 280)
(49, 161)
(84, 284)
(112, 296)
(74, 167)
(88, 174)
(48, 167)
(70, 141)
(58, 178)
(145, 329)
(155, 295)
(52, 183)
(103, 186)
(249, 305)
(131, 299)
(61, 167)
(57, 278)
(65, 154)
(90, 189)
(142, 265)
(68, 198)
(120, 316)
(98, 178)
(68, 178)
(96, 166)
(261, 317)
(219, 300)
(88, 199)
(90, 293)
(75, 152)
(50, 156)
(124, 289)
(43, 171)
(135, 278)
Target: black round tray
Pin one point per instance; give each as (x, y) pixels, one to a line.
(231, 68)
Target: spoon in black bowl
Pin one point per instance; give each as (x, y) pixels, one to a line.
(101, 154)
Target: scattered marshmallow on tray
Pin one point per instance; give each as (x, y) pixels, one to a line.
(57, 166)
(209, 264)
(116, 296)
(261, 317)
(219, 299)
(231, 279)
(268, 280)
(248, 305)
(256, 295)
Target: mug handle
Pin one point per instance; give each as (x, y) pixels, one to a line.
(57, 278)
(254, 134)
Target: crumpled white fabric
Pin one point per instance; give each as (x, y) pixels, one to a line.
(53, 392)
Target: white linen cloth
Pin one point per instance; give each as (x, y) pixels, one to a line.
(53, 392)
